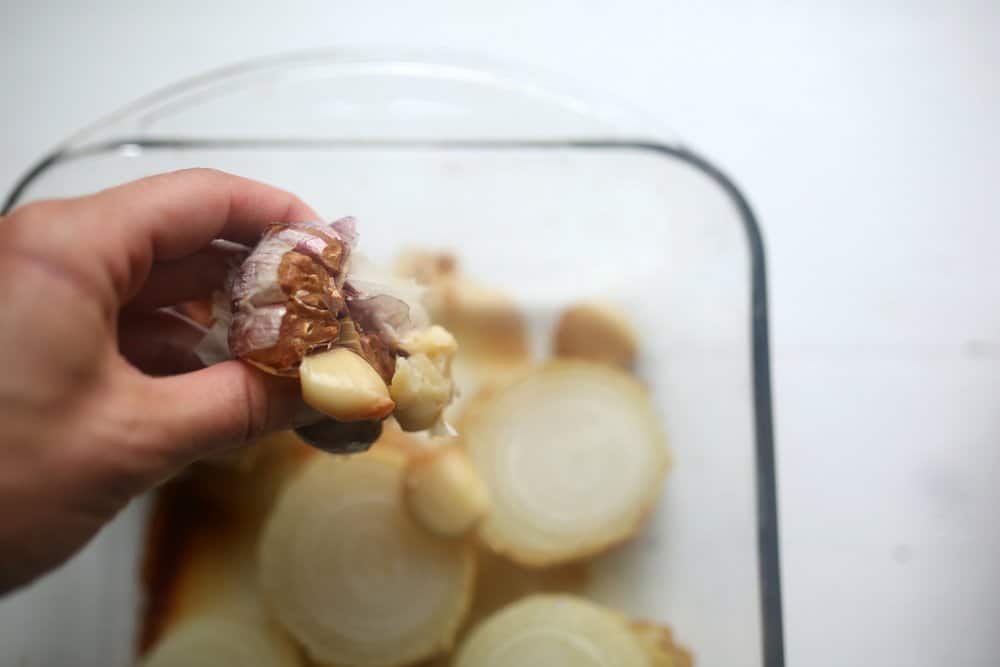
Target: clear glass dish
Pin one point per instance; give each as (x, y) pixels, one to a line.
(540, 192)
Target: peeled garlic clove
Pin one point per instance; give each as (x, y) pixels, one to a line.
(422, 386)
(444, 492)
(342, 385)
(421, 392)
(434, 341)
(596, 332)
(486, 321)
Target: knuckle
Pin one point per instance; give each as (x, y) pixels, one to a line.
(35, 213)
(257, 408)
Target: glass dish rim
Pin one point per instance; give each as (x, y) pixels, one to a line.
(769, 575)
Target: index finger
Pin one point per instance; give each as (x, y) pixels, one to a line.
(169, 217)
(178, 213)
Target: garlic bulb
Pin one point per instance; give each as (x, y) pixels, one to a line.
(302, 296)
(286, 296)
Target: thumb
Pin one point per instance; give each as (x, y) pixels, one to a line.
(219, 407)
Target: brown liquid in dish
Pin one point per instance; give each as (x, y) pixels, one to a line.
(203, 523)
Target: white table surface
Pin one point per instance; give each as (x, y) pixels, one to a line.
(866, 137)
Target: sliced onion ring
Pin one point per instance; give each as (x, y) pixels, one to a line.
(573, 455)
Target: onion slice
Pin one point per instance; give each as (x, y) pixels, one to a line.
(212, 640)
(574, 457)
(203, 606)
(352, 576)
(552, 631)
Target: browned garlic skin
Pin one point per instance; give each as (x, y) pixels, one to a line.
(286, 296)
(300, 296)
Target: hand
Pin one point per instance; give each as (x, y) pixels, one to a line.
(83, 427)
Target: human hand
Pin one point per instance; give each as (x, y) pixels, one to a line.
(84, 424)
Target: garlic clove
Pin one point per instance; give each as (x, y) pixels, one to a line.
(421, 391)
(596, 332)
(434, 341)
(422, 386)
(445, 493)
(342, 385)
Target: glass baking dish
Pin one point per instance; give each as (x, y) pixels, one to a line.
(541, 192)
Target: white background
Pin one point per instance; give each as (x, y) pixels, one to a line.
(865, 134)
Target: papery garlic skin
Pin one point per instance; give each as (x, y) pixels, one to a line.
(303, 292)
(286, 298)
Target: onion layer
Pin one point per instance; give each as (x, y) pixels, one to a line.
(573, 456)
(352, 576)
(552, 631)
(203, 606)
(216, 640)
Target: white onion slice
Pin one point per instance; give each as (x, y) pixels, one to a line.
(552, 631)
(573, 455)
(216, 640)
(352, 576)
(209, 608)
